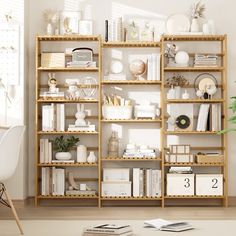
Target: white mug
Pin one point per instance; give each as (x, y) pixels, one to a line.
(82, 187)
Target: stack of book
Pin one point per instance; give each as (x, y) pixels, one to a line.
(209, 60)
(180, 170)
(209, 117)
(53, 117)
(48, 94)
(53, 181)
(81, 64)
(153, 66)
(108, 229)
(146, 182)
(132, 151)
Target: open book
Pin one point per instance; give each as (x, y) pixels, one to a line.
(165, 225)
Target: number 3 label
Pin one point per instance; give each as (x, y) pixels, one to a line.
(187, 182)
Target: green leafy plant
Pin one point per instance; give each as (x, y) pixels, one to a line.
(232, 119)
(64, 145)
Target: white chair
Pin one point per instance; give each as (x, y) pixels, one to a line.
(10, 143)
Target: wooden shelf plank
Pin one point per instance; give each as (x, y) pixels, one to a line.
(132, 82)
(193, 37)
(65, 69)
(120, 159)
(196, 164)
(193, 69)
(68, 165)
(131, 44)
(195, 100)
(68, 197)
(131, 198)
(192, 197)
(66, 132)
(132, 121)
(73, 37)
(67, 101)
(190, 132)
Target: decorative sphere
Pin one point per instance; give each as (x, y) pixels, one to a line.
(116, 67)
(199, 93)
(137, 67)
(182, 58)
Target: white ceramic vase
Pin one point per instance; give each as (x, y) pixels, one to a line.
(195, 27)
(81, 153)
(177, 92)
(63, 155)
(49, 29)
(91, 158)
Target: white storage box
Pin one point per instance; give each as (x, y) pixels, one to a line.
(53, 60)
(116, 174)
(116, 189)
(209, 184)
(180, 184)
(145, 111)
(179, 158)
(117, 112)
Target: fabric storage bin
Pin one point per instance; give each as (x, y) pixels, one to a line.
(116, 189)
(179, 158)
(180, 184)
(117, 112)
(209, 184)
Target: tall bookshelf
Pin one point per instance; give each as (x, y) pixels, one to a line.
(61, 41)
(156, 123)
(159, 162)
(219, 41)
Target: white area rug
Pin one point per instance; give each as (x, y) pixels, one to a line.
(75, 228)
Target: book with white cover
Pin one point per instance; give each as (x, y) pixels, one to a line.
(148, 183)
(141, 183)
(49, 152)
(46, 148)
(43, 181)
(46, 110)
(136, 182)
(60, 118)
(149, 67)
(154, 66)
(165, 225)
(202, 117)
(42, 151)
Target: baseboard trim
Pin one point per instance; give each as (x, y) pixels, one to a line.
(30, 201)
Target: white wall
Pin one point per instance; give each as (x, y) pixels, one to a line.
(221, 12)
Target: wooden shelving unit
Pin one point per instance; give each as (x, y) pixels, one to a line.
(221, 70)
(41, 101)
(152, 162)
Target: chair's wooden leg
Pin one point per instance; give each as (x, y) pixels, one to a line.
(14, 211)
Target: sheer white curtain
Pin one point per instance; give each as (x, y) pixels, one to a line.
(11, 62)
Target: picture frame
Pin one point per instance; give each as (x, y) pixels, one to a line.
(69, 22)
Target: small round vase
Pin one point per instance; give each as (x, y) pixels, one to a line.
(63, 155)
(91, 158)
(195, 27)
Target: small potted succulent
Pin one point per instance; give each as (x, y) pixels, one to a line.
(63, 147)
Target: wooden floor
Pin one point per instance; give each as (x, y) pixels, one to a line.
(30, 212)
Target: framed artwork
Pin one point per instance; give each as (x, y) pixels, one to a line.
(69, 22)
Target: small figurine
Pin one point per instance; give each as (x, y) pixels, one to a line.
(80, 115)
(52, 83)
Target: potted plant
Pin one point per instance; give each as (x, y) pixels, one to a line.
(175, 83)
(63, 147)
(197, 11)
